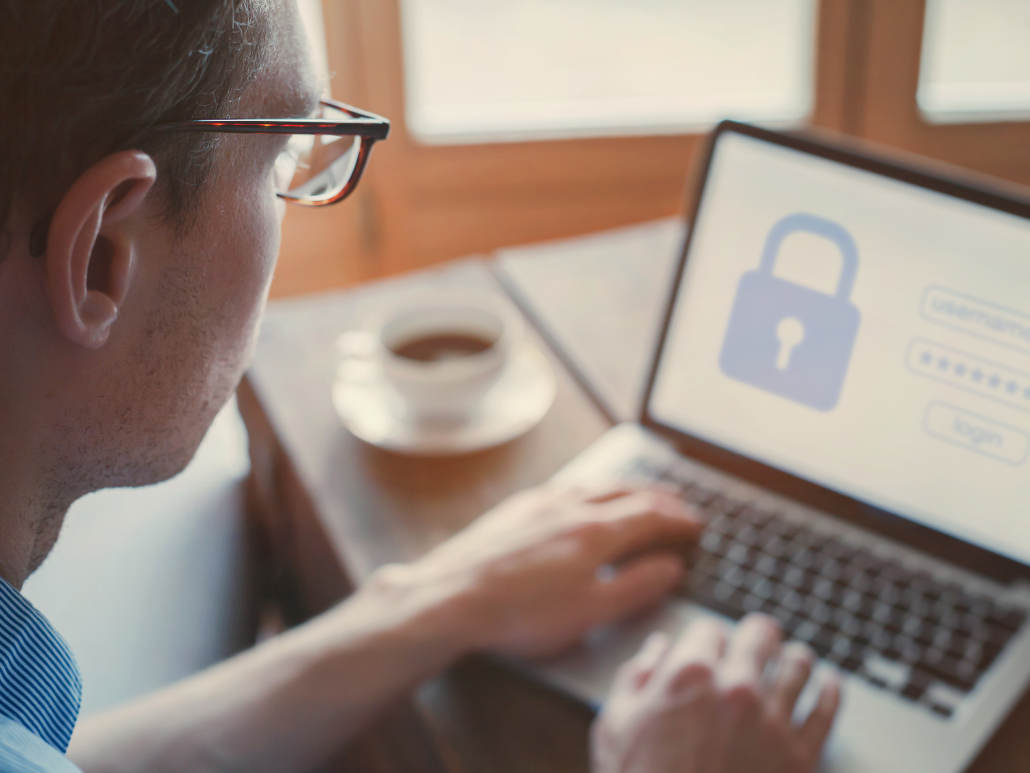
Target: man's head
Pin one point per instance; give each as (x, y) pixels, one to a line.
(133, 264)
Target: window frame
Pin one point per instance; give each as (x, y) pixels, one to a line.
(891, 115)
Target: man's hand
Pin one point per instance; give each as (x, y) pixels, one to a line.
(528, 578)
(708, 705)
(536, 573)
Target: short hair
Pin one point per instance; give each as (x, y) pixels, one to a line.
(80, 79)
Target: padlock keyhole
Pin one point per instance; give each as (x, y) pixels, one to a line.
(790, 332)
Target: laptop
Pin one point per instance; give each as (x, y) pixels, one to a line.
(842, 388)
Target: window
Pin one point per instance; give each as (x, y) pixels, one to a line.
(976, 61)
(505, 70)
(523, 120)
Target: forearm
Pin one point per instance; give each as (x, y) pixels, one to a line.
(291, 702)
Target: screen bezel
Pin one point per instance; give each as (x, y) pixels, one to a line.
(890, 524)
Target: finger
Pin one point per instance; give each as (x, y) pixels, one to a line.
(606, 492)
(617, 490)
(646, 520)
(816, 726)
(637, 671)
(702, 643)
(795, 668)
(637, 501)
(755, 642)
(639, 585)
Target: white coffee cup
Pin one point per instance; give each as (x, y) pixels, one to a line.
(439, 351)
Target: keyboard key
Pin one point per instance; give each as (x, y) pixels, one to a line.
(841, 646)
(850, 627)
(823, 589)
(700, 495)
(721, 524)
(941, 710)
(1009, 619)
(882, 613)
(723, 592)
(792, 600)
(819, 612)
(822, 642)
(732, 573)
(891, 673)
(762, 588)
(830, 570)
(941, 638)
(913, 690)
(802, 558)
(738, 553)
(711, 542)
(783, 528)
(752, 603)
(749, 535)
(910, 651)
(852, 600)
(723, 504)
(794, 577)
(806, 631)
(988, 655)
(946, 670)
(891, 652)
(767, 565)
(850, 664)
(860, 582)
(784, 617)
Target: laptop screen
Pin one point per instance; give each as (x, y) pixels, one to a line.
(866, 334)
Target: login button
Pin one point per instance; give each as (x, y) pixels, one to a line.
(976, 433)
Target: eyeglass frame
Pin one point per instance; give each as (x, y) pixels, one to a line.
(371, 128)
(368, 126)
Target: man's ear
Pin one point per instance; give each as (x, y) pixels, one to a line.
(89, 248)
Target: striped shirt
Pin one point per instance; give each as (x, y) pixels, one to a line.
(40, 689)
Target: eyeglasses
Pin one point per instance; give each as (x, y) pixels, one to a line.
(321, 163)
(325, 156)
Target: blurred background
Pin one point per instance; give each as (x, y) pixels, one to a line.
(523, 120)
(517, 121)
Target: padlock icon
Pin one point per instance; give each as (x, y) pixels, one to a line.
(788, 339)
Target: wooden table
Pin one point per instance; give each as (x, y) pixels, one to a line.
(330, 510)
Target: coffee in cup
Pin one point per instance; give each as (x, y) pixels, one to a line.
(439, 351)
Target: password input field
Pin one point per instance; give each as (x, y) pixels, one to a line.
(969, 373)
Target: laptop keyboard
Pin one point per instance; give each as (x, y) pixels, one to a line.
(901, 629)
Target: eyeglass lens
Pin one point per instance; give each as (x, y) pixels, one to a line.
(317, 166)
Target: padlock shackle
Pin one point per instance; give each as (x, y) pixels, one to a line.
(802, 222)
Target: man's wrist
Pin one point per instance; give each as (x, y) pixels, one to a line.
(401, 604)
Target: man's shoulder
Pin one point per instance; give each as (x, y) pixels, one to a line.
(24, 752)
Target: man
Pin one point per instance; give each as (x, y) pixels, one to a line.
(135, 265)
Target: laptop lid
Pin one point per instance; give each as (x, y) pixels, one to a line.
(856, 334)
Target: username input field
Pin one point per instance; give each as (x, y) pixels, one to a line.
(977, 317)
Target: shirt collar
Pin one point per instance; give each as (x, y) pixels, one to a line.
(40, 686)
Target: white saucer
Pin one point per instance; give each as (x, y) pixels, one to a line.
(372, 410)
